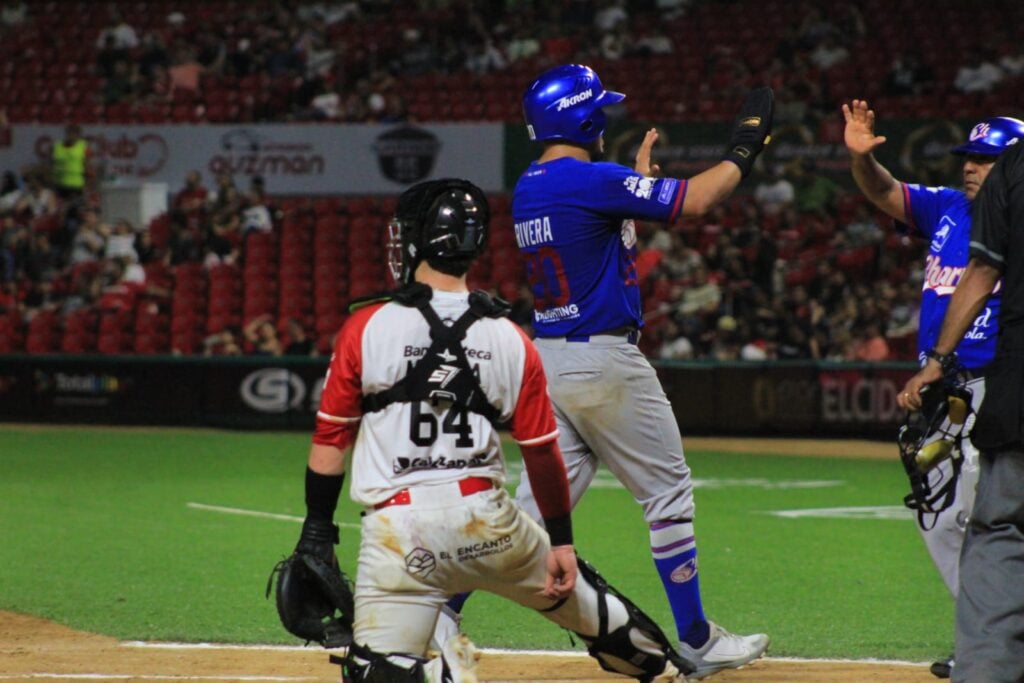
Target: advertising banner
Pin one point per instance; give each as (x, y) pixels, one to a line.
(306, 159)
(791, 399)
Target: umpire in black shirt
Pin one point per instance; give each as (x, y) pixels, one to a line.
(990, 606)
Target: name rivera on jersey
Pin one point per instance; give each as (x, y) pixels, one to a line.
(533, 232)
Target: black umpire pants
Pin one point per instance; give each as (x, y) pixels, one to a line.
(990, 606)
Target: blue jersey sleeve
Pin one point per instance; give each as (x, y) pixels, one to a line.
(925, 207)
(622, 192)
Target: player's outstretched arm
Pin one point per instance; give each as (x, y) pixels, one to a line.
(751, 132)
(873, 179)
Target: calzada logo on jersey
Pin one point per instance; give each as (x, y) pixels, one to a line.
(946, 225)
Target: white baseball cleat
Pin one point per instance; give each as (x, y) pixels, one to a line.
(461, 655)
(724, 650)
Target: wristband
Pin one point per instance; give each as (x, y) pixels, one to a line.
(947, 361)
(559, 529)
(322, 491)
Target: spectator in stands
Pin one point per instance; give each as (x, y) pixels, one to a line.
(10, 192)
(863, 229)
(416, 56)
(70, 164)
(676, 346)
(123, 84)
(108, 55)
(193, 196)
(299, 341)
(610, 16)
(1011, 58)
(261, 335)
(615, 43)
(869, 344)
(828, 53)
(152, 55)
(815, 193)
(522, 45)
(90, 240)
(226, 198)
(13, 14)
(223, 343)
(774, 192)
(702, 296)
(326, 104)
(36, 200)
(185, 70)
(484, 57)
(979, 74)
(908, 76)
(121, 242)
(41, 260)
(122, 34)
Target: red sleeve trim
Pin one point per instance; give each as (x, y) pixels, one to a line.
(680, 197)
(533, 420)
(908, 214)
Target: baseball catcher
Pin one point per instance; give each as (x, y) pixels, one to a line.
(314, 597)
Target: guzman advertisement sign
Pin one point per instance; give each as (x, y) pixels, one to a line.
(293, 159)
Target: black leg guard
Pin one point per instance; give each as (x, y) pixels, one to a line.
(619, 651)
(363, 665)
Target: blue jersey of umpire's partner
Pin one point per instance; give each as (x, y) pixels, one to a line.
(943, 215)
(572, 225)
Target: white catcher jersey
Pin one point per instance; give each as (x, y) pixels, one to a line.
(407, 444)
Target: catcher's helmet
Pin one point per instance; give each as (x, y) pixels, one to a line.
(992, 136)
(565, 102)
(932, 435)
(438, 219)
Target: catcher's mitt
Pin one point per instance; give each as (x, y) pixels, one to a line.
(314, 598)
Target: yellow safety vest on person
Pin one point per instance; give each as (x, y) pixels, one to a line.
(69, 165)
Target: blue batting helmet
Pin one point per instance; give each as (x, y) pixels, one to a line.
(992, 136)
(565, 102)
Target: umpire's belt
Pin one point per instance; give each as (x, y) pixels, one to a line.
(630, 334)
(467, 487)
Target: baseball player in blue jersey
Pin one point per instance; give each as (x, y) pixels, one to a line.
(573, 219)
(943, 216)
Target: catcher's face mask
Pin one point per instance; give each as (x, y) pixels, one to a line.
(929, 437)
(446, 219)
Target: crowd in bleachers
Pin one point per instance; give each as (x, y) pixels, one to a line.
(808, 272)
(793, 268)
(389, 60)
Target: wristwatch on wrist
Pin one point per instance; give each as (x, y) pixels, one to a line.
(948, 361)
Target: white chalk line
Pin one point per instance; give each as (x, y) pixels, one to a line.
(497, 651)
(258, 513)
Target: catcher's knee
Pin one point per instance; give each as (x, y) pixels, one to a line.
(628, 642)
(363, 665)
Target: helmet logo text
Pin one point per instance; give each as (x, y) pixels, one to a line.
(573, 100)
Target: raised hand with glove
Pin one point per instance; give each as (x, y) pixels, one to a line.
(752, 129)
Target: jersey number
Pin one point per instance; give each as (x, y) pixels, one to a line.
(423, 426)
(547, 279)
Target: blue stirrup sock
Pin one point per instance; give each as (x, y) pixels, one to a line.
(675, 556)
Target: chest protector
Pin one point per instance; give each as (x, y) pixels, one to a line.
(444, 372)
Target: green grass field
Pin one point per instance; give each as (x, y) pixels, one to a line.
(125, 533)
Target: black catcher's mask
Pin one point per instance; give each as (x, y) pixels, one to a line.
(444, 219)
(932, 435)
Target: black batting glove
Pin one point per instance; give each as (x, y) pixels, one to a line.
(318, 539)
(752, 129)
